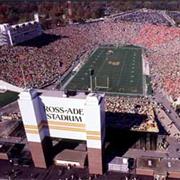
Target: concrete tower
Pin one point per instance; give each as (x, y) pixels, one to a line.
(95, 131)
(51, 114)
(32, 116)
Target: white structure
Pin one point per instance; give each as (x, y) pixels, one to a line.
(4, 37)
(4, 86)
(53, 114)
(15, 34)
(119, 164)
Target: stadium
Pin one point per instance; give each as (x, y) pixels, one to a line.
(127, 57)
(114, 70)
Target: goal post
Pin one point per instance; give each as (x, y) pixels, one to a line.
(101, 83)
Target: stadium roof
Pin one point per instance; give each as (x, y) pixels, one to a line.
(7, 86)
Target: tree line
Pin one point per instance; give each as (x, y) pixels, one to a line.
(54, 13)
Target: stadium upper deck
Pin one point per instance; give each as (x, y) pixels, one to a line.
(15, 34)
(147, 16)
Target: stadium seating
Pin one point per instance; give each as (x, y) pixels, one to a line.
(43, 65)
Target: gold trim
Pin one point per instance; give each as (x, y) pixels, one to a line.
(34, 127)
(50, 122)
(93, 133)
(32, 131)
(93, 137)
(66, 128)
(42, 125)
(54, 123)
(30, 126)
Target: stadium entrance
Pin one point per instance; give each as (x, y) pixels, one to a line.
(68, 152)
(48, 114)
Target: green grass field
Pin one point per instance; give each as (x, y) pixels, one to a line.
(117, 70)
(7, 97)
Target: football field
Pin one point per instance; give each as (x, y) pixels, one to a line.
(114, 70)
(7, 97)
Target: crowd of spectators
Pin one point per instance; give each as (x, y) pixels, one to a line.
(165, 68)
(137, 112)
(140, 105)
(10, 116)
(39, 66)
(152, 35)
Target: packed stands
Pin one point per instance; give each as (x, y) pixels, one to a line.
(151, 35)
(137, 112)
(41, 66)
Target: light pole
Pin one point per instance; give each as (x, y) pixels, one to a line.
(91, 72)
(22, 71)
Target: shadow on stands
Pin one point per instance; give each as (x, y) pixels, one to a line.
(42, 40)
(119, 142)
(118, 135)
(124, 120)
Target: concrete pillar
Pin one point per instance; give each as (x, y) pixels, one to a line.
(36, 17)
(8, 31)
(95, 132)
(32, 114)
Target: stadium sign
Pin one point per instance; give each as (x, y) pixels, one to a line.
(64, 114)
(51, 114)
